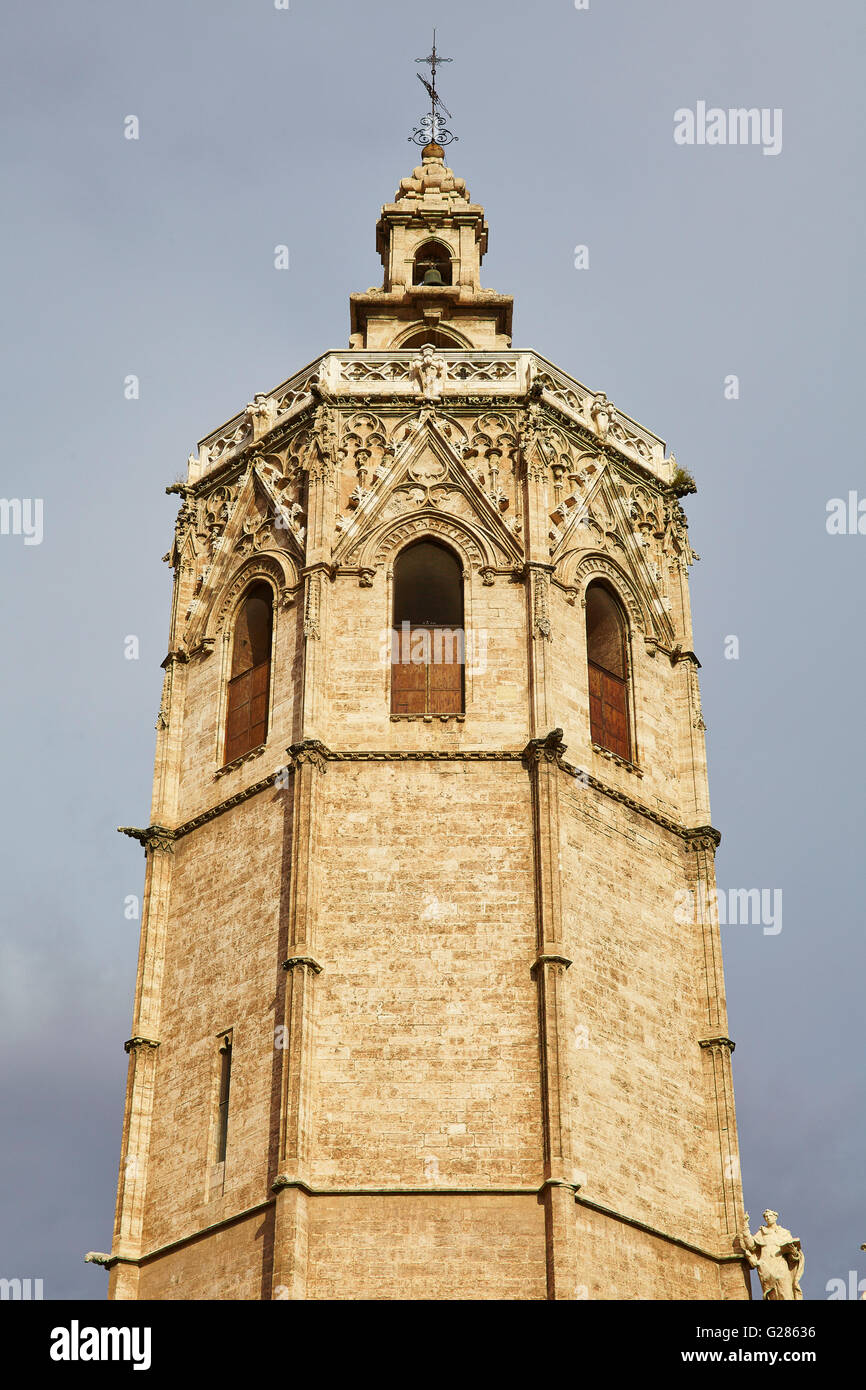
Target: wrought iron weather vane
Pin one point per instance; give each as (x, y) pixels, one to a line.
(431, 127)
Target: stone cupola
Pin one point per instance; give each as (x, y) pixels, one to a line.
(431, 240)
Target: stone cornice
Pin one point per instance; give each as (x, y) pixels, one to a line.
(536, 750)
(134, 1043)
(550, 958)
(239, 762)
(506, 375)
(283, 1181)
(654, 1231)
(309, 750)
(720, 1043)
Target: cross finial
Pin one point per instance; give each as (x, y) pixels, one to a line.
(431, 128)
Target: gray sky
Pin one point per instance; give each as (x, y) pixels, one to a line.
(155, 257)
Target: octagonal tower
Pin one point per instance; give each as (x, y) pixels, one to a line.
(430, 999)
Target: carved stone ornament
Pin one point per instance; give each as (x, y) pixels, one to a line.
(308, 961)
(310, 750)
(427, 470)
(601, 413)
(155, 837)
(540, 605)
(133, 1044)
(277, 570)
(261, 413)
(429, 373)
(312, 607)
(550, 749)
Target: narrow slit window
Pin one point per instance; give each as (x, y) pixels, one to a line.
(223, 1104)
(428, 639)
(249, 682)
(607, 654)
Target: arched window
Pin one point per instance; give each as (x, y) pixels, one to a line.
(428, 645)
(433, 261)
(249, 684)
(436, 337)
(607, 651)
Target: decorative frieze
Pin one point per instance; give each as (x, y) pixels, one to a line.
(396, 375)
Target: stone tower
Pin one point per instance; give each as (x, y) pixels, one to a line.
(430, 999)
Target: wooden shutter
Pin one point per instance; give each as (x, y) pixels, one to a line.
(247, 719)
(608, 711)
(432, 684)
(445, 672)
(408, 677)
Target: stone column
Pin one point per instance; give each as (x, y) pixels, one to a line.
(308, 760)
(142, 1048)
(715, 1044)
(321, 520)
(536, 510)
(543, 758)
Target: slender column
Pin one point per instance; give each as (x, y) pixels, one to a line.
(536, 509)
(142, 1046)
(169, 740)
(543, 758)
(321, 519)
(715, 1044)
(308, 760)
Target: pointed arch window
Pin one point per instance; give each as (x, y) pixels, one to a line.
(607, 653)
(434, 261)
(428, 640)
(249, 683)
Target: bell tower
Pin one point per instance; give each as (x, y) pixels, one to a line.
(431, 240)
(430, 1000)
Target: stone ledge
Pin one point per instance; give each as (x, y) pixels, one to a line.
(427, 718)
(615, 758)
(239, 762)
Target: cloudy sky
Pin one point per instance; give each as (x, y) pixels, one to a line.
(154, 257)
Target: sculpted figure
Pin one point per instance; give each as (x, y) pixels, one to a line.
(601, 413)
(260, 413)
(428, 371)
(777, 1256)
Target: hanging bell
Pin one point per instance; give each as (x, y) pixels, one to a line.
(433, 277)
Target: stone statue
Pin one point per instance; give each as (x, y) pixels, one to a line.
(428, 371)
(777, 1256)
(260, 413)
(601, 413)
